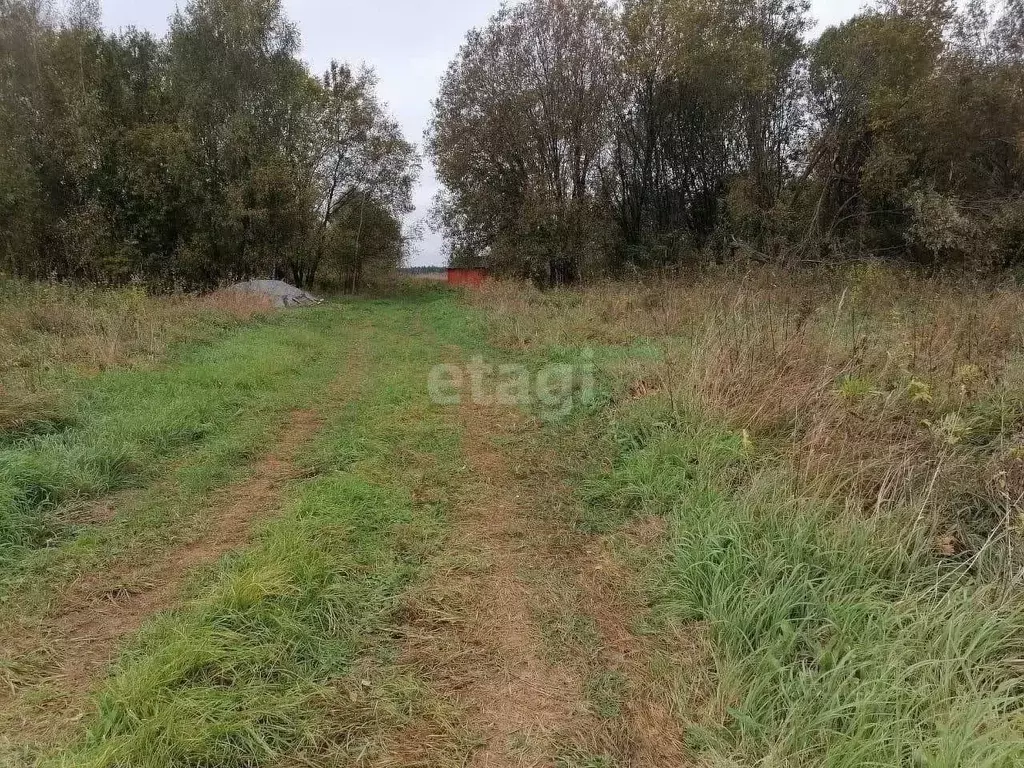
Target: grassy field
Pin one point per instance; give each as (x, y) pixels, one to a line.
(51, 335)
(837, 461)
(783, 529)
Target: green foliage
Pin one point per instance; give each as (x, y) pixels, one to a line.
(210, 155)
(918, 151)
(699, 130)
(517, 136)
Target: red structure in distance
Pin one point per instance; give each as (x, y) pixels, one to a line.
(467, 278)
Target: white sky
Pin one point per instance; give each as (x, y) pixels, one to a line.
(408, 42)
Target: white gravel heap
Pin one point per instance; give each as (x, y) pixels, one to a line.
(278, 291)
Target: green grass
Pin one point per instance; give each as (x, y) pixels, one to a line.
(837, 642)
(253, 667)
(604, 692)
(125, 424)
(51, 335)
(582, 760)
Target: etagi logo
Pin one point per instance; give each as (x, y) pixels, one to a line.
(556, 388)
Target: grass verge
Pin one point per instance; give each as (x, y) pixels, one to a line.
(835, 642)
(52, 334)
(897, 395)
(847, 560)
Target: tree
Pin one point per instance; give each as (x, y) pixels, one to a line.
(674, 130)
(359, 155)
(21, 196)
(363, 237)
(519, 128)
(233, 80)
(562, 119)
(707, 122)
(919, 109)
(209, 155)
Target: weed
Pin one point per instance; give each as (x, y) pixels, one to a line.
(605, 692)
(807, 440)
(899, 395)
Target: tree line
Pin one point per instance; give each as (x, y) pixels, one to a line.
(581, 137)
(207, 155)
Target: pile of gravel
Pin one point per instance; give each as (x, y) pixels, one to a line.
(278, 291)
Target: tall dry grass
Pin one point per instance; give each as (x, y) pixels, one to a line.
(888, 392)
(48, 331)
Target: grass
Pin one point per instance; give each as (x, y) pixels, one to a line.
(123, 425)
(839, 643)
(831, 459)
(243, 675)
(842, 541)
(604, 691)
(581, 760)
(51, 335)
(75, 364)
(269, 658)
(891, 394)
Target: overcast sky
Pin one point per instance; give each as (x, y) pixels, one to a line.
(408, 42)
